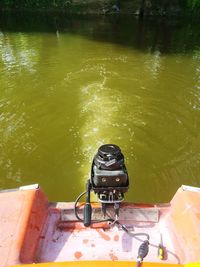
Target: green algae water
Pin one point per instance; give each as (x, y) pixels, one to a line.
(71, 84)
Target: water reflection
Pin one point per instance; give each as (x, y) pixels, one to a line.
(99, 107)
(17, 60)
(16, 140)
(16, 53)
(177, 35)
(154, 63)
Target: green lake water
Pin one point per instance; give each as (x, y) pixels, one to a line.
(70, 84)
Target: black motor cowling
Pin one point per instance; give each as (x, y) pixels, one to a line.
(109, 177)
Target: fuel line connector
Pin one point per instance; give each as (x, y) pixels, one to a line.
(142, 252)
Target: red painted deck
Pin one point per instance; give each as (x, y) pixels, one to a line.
(34, 231)
(102, 243)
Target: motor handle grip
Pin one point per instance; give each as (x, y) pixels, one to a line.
(87, 214)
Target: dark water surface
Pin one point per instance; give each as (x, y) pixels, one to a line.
(70, 84)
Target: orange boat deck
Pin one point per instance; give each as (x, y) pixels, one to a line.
(64, 241)
(34, 231)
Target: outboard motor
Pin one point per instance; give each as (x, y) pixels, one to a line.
(109, 180)
(109, 177)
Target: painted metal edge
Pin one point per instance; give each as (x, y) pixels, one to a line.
(21, 188)
(105, 264)
(29, 187)
(190, 188)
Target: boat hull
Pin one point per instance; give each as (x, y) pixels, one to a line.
(32, 230)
